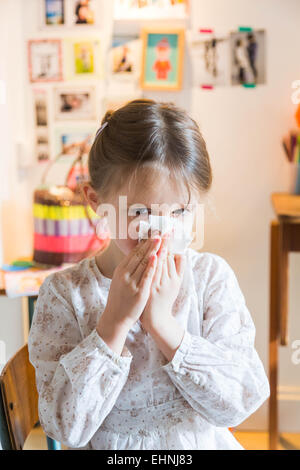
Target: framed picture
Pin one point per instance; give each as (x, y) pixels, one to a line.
(162, 59)
(75, 103)
(83, 58)
(83, 12)
(67, 140)
(41, 119)
(41, 107)
(45, 60)
(247, 51)
(42, 144)
(151, 9)
(210, 60)
(52, 13)
(125, 57)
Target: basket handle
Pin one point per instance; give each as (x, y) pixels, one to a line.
(79, 159)
(81, 149)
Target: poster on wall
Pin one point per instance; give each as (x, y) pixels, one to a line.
(83, 58)
(151, 9)
(210, 60)
(75, 103)
(45, 60)
(162, 59)
(247, 51)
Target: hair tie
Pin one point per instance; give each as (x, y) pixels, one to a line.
(101, 129)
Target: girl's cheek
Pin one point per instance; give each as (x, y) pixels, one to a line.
(126, 246)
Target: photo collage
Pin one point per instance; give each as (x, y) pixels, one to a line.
(237, 58)
(74, 67)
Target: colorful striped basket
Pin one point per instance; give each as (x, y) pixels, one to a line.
(64, 224)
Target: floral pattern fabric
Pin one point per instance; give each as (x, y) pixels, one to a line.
(90, 397)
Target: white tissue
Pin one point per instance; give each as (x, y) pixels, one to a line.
(182, 235)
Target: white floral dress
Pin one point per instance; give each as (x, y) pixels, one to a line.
(90, 397)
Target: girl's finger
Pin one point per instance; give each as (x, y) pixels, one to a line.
(171, 266)
(147, 276)
(161, 260)
(164, 242)
(138, 253)
(137, 274)
(139, 246)
(180, 261)
(165, 270)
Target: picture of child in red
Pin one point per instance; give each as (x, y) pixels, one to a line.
(162, 65)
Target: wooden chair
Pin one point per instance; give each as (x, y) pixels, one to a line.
(19, 402)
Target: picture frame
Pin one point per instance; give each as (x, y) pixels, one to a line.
(40, 96)
(71, 14)
(124, 57)
(84, 14)
(52, 14)
(210, 59)
(74, 103)
(42, 146)
(162, 59)
(68, 138)
(248, 57)
(41, 105)
(84, 59)
(45, 60)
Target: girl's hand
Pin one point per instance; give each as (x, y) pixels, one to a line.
(130, 286)
(165, 286)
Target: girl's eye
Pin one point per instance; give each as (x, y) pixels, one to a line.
(141, 211)
(180, 211)
(145, 211)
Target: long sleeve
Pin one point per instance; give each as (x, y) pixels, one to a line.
(78, 379)
(220, 373)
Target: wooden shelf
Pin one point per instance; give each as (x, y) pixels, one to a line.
(286, 205)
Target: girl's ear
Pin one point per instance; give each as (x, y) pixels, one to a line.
(90, 196)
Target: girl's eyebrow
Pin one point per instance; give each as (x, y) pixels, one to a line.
(136, 204)
(144, 206)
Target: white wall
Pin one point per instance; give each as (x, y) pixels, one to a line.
(243, 130)
(14, 187)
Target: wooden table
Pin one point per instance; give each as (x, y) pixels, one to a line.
(42, 273)
(51, 443)
(30, 302)
(285, 238)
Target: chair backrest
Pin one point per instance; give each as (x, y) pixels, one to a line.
(19, 397)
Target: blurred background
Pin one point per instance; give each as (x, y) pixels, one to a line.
(232, 65)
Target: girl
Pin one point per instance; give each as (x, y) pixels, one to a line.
(135, 348)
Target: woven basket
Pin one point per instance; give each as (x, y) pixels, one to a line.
(64, 224)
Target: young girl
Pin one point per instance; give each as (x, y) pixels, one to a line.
(138, 348)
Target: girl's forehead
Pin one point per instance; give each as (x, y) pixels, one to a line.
(155, 186)
(158, 193)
